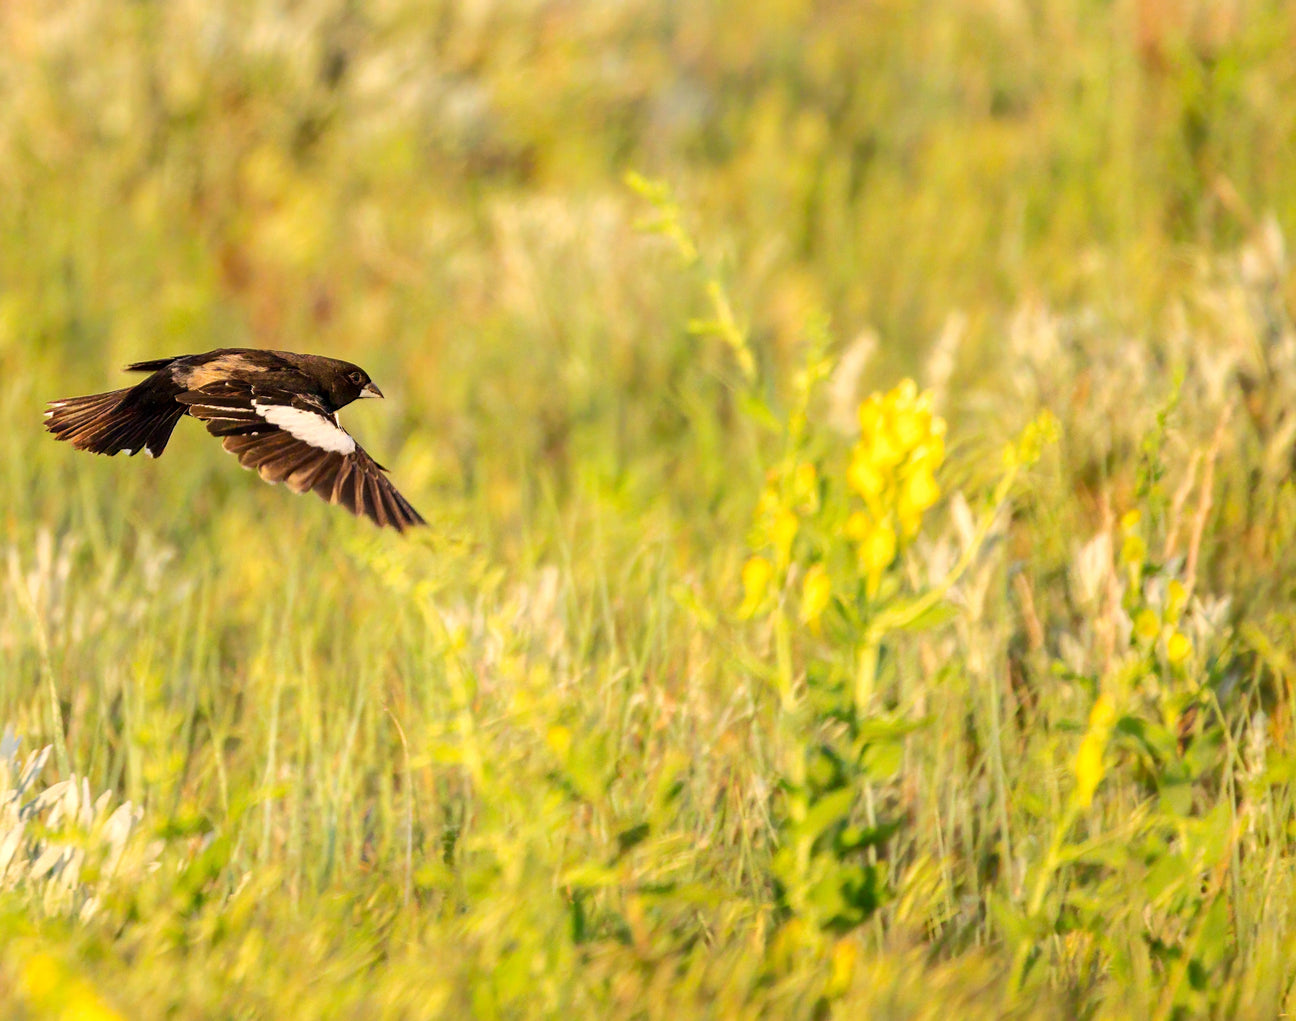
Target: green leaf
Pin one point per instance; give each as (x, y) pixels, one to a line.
(1176, 799)
(697, 895)
(883, 759)
(881, 728)
(857, 838)
(1213, 943)
(937, 615)
(588, 876)
(829, 809)
(630, 838)
(754, 408)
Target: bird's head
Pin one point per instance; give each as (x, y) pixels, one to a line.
(347, 382)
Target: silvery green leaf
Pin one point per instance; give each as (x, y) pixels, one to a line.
(47, 800)
(8, 846)
(48, 861)
(35, 763)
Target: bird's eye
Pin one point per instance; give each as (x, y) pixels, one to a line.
(357, 378)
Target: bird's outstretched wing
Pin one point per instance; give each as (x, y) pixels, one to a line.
(292, 438)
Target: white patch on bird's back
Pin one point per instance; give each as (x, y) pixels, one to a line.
(307, 426)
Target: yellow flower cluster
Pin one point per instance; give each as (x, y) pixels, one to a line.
(1089, 768)
(893, 468)
(787, 494)
(1148, 625)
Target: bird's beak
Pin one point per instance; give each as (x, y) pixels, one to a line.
(370, 391)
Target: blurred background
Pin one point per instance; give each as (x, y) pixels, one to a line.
(528, 762)
(437, 191)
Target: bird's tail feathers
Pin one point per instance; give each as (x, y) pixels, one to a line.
(109, 424)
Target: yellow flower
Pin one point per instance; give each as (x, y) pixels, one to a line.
(842, 972)
(929, 451)
(559, 740)
(857, 526)
(756, 575)
(84, 1004)
(910, 425)
(1176, 599)
(870, 415)
(905, 392)
(893, 468)
(782, 533)
(57, 992)
(1147, 626)
(1178, 648)
(1040, 433)
(876, 551)
(1103, 714)
(1089, 768)
(921, 489)
(1133, 550)
(41, 977)
(863, 475)
(816, 591)
(884, 450)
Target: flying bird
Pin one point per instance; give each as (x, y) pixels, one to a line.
(275, 410)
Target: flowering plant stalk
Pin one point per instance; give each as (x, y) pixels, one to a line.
(828, 542)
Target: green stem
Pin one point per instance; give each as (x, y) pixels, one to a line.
(1040, 891)
(866, 676)
(783, 654)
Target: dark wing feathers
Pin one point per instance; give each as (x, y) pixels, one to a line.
(349, 477)
(375, 501)
(226, 410)
(152, 366)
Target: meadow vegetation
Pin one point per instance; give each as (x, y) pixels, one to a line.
(856, 438)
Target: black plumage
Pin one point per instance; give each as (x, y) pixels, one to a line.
(275, 410)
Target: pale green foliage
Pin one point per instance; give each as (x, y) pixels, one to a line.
(57, 845)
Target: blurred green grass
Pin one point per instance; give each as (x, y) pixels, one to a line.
(408, 777)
